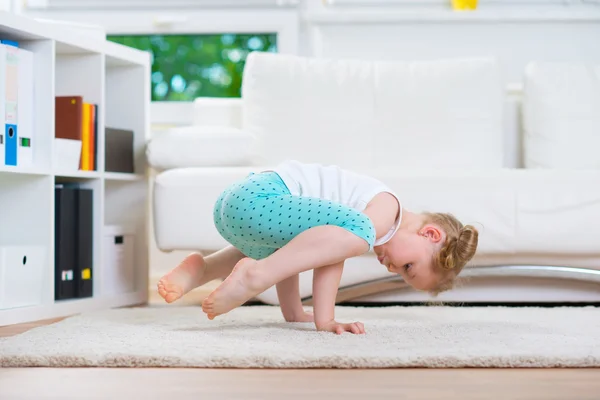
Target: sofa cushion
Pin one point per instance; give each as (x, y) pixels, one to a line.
(517, 211)
(561, 115)
(444, 113)
(200, 146)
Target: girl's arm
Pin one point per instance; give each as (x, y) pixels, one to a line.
(325, 287)
(383, 210)
(288, 292)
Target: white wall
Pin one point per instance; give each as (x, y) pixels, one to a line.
(516, 31)
(515, 43)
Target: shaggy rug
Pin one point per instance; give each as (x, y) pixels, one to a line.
(257, 337)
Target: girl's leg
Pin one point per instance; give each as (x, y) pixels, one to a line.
(316, 247)
(308, 232)
(196, 270)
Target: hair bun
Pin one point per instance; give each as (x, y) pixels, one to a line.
(459, 250)
(466, 244)
(447, 256)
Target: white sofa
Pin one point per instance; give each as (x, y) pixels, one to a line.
(446, 135)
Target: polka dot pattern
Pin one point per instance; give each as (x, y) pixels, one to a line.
(259, 215)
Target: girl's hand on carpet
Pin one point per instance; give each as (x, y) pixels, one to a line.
(338, 328)
(304, 316)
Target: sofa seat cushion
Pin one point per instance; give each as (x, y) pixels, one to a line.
(201, 146)
(517, 211)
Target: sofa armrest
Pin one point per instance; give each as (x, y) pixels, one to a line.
(183, 203)
(201, 146)
(211, 111)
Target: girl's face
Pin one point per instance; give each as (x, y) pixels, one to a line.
(410, 254)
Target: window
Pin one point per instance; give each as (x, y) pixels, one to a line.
(198, 65)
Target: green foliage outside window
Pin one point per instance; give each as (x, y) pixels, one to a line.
(188, 66)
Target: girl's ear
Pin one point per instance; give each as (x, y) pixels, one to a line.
(432, 232)
(393, 269)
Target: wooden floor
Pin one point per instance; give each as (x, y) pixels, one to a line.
(223, 384)
(180, 384)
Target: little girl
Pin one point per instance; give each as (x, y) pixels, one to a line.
(299, 217)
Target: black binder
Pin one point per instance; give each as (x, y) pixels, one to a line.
(85, 243)
(73, 256)
(64, 243)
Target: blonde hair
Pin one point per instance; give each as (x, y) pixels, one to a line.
(457, 250)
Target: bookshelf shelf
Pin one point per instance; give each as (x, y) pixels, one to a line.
(4, 169)
(116, 79)
(70, 49)
(116, 57)
(120, 176)
(79, 174)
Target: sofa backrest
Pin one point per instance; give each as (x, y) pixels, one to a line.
(372, 114)
(561, 115)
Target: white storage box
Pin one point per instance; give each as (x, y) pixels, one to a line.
(67, 154)
(22, 275)
(118, 272)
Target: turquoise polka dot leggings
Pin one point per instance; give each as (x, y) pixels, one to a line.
(259, 215)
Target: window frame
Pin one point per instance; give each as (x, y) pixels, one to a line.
(284, 22)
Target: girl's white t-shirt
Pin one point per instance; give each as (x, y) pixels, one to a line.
(330, 182)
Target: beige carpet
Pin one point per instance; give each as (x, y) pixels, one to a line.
(258, 337)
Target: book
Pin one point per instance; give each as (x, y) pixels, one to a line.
(16, 104)
(68, 117)
(85, 137)
(9, 91)
(118, 150)
(88, 136)
(25, 115)
(77, 119)
(95, 137)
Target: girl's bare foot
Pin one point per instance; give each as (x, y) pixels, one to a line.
(183, 278)
(240, 286)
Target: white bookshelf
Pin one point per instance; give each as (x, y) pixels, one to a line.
(117, 78)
